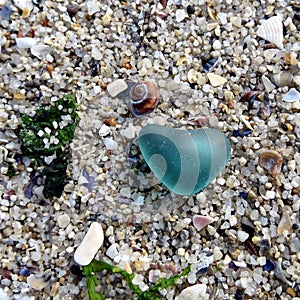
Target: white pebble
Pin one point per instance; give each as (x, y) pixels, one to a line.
(242, 236)
(217, 253)
(104, 130)
(180, 15)
(37, 282)
(63, 221)
(90, 244)
(112, 251)
(92, 7)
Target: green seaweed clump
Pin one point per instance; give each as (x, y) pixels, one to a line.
(151, 293)
(45, 138)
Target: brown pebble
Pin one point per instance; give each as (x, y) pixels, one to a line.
(49, 68)
(111, 121)
(19, 96)
(296, 190)
(291, 292)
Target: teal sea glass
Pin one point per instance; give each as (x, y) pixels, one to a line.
(185, 161)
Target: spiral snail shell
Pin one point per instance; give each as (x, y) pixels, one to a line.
(144, 97)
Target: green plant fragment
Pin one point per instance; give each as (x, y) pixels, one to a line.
(92, 282)
(149, 294)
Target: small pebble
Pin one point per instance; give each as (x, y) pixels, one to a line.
(37, 282)
(90, 245)
(63, 221)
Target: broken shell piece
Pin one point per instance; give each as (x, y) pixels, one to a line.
(291, 96)
(90, 244)
(116, 87)
(25, 42)
(37, 282)
(200, 222)
(283, 78)
(271, 161)
(216, 80)
(197, 291)
(285, 223)
(252, 95)
(40, 51)
(24, 4)
(272, 31)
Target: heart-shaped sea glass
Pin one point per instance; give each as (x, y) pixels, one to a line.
(185, 161)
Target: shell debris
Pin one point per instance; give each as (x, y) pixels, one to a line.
(271, 161)
(272, 31)
(197, 291)
(200, 222)
(291, 96)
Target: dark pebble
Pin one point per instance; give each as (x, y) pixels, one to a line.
(24, 272)
(72, 9)
(190, 10)
(268, 266)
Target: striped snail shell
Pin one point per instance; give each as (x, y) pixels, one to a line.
(185, 161)
(144, 97)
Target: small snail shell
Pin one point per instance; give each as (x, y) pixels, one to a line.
(144, 96)
(271, 161)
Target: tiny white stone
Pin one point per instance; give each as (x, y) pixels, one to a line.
(242, 236)
(197, 291)
(116, 87)
(40, 133)
(181, 251)
(217, 45)
(217, 253)
(216, 80)
(63, 221)
(110, 144)
(90, 244)
(271, 194)
(112, 251)
(92, 7)
(268, 83)
(96, 53)
(180, 15)
(104, 130)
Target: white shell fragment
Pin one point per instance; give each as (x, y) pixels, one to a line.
(25, 42)
(197, 291)
(291, 96)
(3, 295)
(90, 244)
(180, 15)
(37, 282)
(200, 222)
(24, 4)
(116, 87)
(92, 7)
(216, 80)
(40, 51)
(272, 31)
